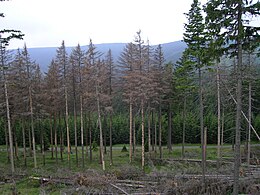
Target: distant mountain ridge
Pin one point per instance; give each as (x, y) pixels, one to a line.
(44, 55)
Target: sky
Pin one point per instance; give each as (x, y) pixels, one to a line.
(46, 23)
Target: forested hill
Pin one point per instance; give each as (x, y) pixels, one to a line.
(44, 55)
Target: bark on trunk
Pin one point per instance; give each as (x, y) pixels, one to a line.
(100, 130)
(219, 115)
(160, 131)
(142, 113)
(130, 130)
(203, 163)
(82, 131)
(239, 105)
(11, 150)
(183, 127)
(24, 145)
(110, 138)
(32, 128)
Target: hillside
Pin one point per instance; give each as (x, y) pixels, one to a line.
(44, 55)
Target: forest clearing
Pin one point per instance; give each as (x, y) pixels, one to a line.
(169, 175)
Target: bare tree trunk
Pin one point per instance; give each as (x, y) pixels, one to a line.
(203, 163)
(130, 130)
(222, 134)
(100, 130)
(42, 143)
(61, 138)
(90, 139)
(155, 135)
(110, 138)
(134, 137)
(30, 142)
(250, 121)
(169, 144)
(55, 138)
(9, 125)
(82, 131)
(75, 128)
(219, 114)
(149, 129)
(160, 130)
(67, 122)
(105, 134)
(32, 127)
(51, 137)
(142, 113)
(249, 115)
(239, 105)
(183, 127)
(24, 145)
(16, 145)
(7, 144)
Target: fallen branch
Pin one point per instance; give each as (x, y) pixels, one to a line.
(115, 186)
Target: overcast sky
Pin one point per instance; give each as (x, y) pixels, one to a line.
(46, 23)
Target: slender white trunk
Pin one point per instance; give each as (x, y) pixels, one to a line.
(100, 130)
(9, 127)
(32, 128)
(82, 131)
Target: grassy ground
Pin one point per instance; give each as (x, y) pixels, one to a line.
(23, 184)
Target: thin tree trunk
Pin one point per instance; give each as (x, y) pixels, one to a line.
(110, 138)
(149, 128)
(9, 126)
(134, 137)
(250, 121)
(142, 113)
(51, 132)
(249, 115)
(88, 128)
(130, 130)
(24, 145)
(32, 127)
(183, 127)
(152, 129)
(222, 134)
(82, 131)
(155, 135)
(160, 131)
(203, 164)
(75, 116)
(55, 138)
(67, 123)
(90, 139)
(42, 143)
(61, 138)
(30, 142)
(169, 144)
(7, 144)
(219, 114)
(16, 145)
(8, 113)
(105, 134)
(100, 130)
(75, 130)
